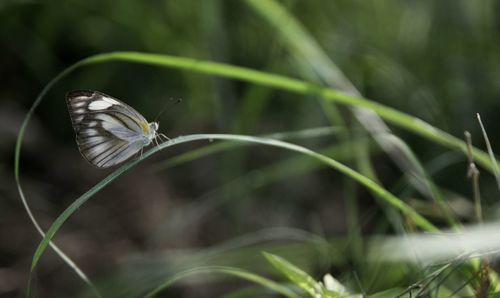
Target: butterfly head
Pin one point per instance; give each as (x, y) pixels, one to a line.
(150, 132)
(153, 126)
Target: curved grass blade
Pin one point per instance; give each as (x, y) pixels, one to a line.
(405, 121)
(221, 147)
(243, 274)
(400, 119)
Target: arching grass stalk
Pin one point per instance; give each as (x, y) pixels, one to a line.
(396, 117)
(224, 146)
(371, 185)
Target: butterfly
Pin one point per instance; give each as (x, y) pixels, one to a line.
(108, 131)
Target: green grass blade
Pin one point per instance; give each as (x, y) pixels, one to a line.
(299, 277)
(405, 121)
(423, 182)
(221, 147)
(496, 171)
(400, 119)
(301, 44)
(312, 61)
(243, 274)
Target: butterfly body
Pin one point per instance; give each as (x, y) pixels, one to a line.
(108, 131)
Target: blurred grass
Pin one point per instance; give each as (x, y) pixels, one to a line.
(435, 61)
(299, 277)
(275, 287)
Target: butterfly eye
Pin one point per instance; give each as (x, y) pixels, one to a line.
(153, 126)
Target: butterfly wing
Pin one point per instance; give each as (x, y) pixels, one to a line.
(108, 131)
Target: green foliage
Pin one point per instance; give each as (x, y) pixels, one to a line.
(372, 90)
(299, 277)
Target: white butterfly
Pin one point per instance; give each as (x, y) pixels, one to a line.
(108, 131)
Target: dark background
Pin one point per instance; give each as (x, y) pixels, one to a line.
(439, 61)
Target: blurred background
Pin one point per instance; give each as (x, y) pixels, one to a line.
(438, 61)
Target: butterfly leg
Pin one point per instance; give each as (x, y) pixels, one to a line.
(159, 136)
(164, 136)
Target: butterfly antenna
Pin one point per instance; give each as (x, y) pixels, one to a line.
(171, 102)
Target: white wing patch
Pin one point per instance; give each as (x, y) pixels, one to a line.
(111, 100)
(99, 105)
(102, 104)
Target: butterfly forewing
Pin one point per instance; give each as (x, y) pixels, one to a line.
(108, 131)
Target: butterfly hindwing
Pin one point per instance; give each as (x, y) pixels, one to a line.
(107, 130)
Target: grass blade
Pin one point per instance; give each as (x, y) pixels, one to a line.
(394, 116)
(301, 44)
(299, 277)
(221, 147)
(496, 171)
